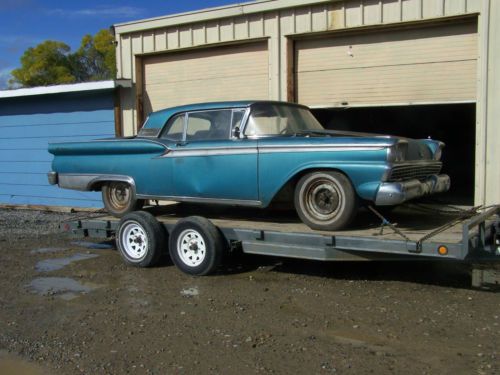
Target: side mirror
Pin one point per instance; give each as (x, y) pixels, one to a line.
(236, 132)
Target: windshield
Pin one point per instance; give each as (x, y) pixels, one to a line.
(280, 119)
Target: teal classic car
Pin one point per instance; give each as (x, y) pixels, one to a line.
(251, 153)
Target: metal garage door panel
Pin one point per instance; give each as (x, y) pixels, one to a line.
(427, 65)
(213, 74)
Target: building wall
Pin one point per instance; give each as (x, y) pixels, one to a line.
(488, 111)
(28, 124)
(263, 20)
(279, 21)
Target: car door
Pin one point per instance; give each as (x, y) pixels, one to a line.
(210, 164)
(157, 172)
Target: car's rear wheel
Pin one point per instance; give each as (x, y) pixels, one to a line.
(119, 198)
(325, 200)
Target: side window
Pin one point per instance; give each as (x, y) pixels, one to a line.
(174, 130)
(197, 126)
(209, 125)
(238, 115)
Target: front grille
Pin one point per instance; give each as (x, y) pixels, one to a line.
(413, 171)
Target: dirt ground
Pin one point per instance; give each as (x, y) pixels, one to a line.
(70, 307)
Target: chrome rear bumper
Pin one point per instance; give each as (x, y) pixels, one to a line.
(52, 177)
(391, 193)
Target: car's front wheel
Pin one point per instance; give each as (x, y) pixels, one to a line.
(325, 200)
(119, 198)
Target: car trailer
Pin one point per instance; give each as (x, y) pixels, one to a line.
(198, 237)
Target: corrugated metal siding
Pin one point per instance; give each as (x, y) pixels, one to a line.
(426, 65)
(276, 20)
(281, 20)
(28, 124)
(210, 74)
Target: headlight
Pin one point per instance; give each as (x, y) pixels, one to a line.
(439, 151)
(397, 152)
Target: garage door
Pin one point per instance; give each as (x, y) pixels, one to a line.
(211, 74)
(435, 64)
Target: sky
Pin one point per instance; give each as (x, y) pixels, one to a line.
(26, 23)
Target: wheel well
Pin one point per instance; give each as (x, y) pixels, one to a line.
(97, 185)
(286, 193)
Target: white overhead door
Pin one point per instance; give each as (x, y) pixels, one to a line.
(232, 72)
(434, 64)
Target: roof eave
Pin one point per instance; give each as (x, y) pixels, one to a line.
(211, 14)
(60, 89)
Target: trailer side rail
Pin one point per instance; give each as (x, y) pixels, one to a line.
(472, 244)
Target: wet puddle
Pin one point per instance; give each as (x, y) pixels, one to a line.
(10, 365)
(63, 287)
(94, 245)
(48, 265)
(48, 250)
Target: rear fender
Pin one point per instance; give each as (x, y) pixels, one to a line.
(88, 182)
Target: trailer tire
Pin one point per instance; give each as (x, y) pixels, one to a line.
(140, 239)
(119, 198)
(196, 246)
(325, 200)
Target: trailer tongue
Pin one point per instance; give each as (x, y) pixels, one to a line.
(199, 237)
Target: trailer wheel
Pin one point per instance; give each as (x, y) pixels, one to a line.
(196, 246)
(325, 200)
(119, 198)
(140, 239)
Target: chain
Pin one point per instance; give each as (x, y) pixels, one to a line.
(389, 224)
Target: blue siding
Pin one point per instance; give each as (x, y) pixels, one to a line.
(28, 124)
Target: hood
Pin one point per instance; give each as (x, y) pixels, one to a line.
(412, 149)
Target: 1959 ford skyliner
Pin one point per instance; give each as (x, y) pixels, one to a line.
(251, 153)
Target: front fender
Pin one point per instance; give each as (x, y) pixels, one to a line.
(364, 176)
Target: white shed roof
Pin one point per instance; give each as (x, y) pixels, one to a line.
(59, 89)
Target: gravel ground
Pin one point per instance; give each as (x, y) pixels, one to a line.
(69, 308)
(22, 224)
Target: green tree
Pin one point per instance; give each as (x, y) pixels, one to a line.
(95, 60)
(52, 63)
(46, 64)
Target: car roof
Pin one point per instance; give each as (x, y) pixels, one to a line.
(157, 119)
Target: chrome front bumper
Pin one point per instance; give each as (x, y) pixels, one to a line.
(391, 193)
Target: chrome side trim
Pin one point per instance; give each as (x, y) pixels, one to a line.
(392, 193)
(346, 147)
(85, 182)
(122, 140)
(209, 152)
(236, 202)
(266, 150)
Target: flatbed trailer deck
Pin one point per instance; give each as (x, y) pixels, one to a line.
(413, 233)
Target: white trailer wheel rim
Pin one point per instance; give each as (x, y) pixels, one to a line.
(134, 241)
(191, 248)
